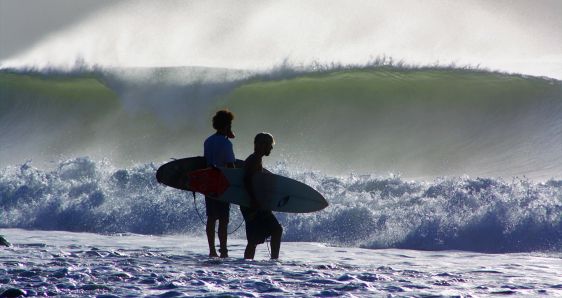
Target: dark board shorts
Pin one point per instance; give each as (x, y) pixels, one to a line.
(260, 224)
(217, 209)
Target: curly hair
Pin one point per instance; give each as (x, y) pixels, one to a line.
(222, 119)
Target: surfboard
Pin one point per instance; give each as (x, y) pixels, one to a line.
(274, 192)
(174, 173)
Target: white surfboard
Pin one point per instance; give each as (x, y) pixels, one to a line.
(273, 192)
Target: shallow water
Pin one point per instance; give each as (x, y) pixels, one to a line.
(129, 265)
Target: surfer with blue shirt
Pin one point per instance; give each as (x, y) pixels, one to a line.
(219, 153)
(260, 224)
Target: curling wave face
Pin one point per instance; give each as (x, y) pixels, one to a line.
(481, 214)
(419, 122)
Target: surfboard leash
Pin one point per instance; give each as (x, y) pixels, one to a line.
(267, 240)
(203, 221)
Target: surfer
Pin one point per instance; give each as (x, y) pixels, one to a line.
(260, 223)
(219, 153)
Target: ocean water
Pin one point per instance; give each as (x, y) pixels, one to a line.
(418, 123)
(55, 263)
(441, 181)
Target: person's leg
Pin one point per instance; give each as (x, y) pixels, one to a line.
(276, 234)
(211, 236)
(250, 251)
(223, 235)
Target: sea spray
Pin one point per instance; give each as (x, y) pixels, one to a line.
(259, 35)
(478, 214)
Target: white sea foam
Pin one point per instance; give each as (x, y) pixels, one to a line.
(474, 214)
(82, 264)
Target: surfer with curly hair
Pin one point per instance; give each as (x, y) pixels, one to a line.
(219, 153)
(260, 224)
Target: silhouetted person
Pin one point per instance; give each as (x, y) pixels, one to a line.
(219, 153)
(260, 223)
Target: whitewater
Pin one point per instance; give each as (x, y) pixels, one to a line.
(130, 265)
(432, 129)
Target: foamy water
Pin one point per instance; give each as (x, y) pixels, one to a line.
(473, 214)
(128, 265)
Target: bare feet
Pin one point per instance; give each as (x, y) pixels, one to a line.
(224, 253)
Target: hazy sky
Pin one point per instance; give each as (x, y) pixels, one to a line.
(513, 35)
(25, 22)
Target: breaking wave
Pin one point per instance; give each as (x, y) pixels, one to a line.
(476, 214)
(437, 128)
(419, 122)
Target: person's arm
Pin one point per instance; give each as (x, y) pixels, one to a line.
(251, 168)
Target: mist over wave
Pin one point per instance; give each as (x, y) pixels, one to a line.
(509, 36)
(477, 214)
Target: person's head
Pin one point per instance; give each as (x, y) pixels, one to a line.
(222, 122)
(263, 143)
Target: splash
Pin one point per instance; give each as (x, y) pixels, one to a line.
(477, 214)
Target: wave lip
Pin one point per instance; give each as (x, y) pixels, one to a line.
(473, 214)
